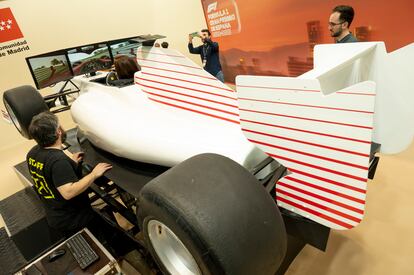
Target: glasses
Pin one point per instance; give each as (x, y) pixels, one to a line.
(332, 24)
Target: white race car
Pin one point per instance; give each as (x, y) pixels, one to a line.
(207, 214)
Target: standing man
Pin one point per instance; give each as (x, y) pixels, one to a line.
(209, 53)
(58, 181)
(339, 23)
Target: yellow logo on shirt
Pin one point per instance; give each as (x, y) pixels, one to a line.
(36, 164)
(39, 181)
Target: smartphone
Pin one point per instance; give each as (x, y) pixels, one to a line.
(194, 34)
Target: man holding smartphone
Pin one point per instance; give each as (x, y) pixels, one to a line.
(209, 53)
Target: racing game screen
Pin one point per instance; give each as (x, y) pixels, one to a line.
(91, 58)
(127, 47)
(49, 70)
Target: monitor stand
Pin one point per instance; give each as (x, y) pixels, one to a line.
(62, 96)
(63, 93)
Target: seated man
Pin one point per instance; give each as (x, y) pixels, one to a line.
(58, 181)
(126, 66)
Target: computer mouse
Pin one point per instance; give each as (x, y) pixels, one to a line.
(56, 254)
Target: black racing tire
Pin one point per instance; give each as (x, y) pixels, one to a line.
(22, 104)
(219, 212)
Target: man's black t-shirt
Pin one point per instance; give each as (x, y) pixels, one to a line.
(49, 169)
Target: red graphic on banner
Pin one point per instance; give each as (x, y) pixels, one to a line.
(9, 29)
(222, 17)
(277, 37)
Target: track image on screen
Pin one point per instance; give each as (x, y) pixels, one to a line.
(49, 70)
(127, 47)
(89, 59)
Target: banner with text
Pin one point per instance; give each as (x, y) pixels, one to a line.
(276, 37)
(9, 33)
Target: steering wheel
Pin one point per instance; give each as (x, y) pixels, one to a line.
(110, 78)
(92, 65)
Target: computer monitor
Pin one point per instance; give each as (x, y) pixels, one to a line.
(126, 47)
(50, 69)
(90, 58)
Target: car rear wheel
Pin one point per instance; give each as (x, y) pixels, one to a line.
(170, 249)
(209, 215)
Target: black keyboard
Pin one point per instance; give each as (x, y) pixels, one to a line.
(82, 251)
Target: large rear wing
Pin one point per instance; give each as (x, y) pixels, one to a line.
(320, 125)
(339, 66)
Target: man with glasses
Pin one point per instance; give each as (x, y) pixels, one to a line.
(339, 23)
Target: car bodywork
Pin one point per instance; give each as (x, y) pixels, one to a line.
(320, 125)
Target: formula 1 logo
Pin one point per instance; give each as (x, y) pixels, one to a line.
(222, 17)
(9, 29)
(212, 7)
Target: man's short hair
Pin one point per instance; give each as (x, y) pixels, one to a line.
(164, 45)
(207, 31)
(43, 129)
(346, 13)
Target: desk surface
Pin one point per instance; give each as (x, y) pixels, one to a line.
(67, 264)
